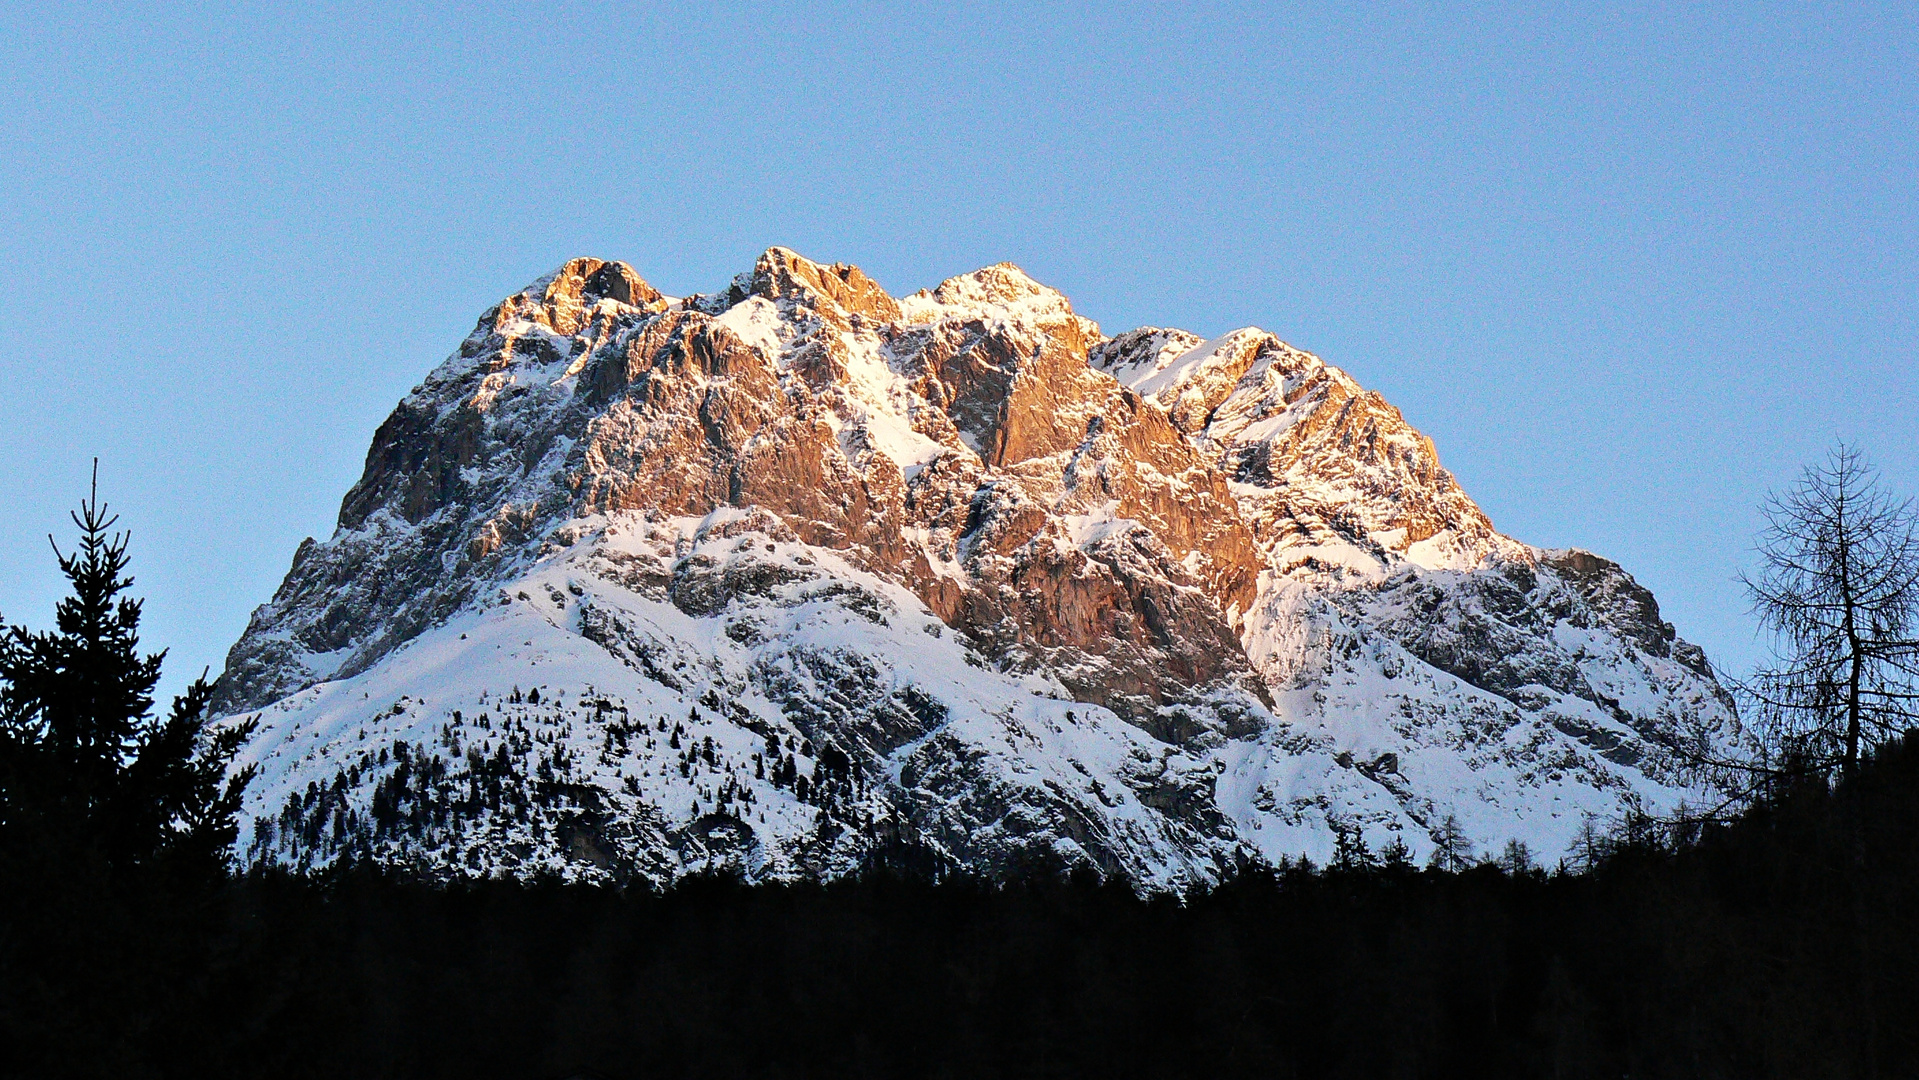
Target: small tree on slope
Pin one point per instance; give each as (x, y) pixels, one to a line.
(89, 779)
(1452, 850)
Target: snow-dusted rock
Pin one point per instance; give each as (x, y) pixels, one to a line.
(800, 576)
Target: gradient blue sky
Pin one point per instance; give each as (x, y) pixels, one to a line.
(1629, 266)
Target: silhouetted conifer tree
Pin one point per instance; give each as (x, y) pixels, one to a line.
(115, 826)
(1517, 858)
(1452, 851)
(87, 774)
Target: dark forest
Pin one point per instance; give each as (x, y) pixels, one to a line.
(1777, 941)
(1743, 950)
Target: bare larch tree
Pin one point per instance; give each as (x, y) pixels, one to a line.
(1838, 591)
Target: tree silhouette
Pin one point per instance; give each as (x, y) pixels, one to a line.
(1839, 593)
(1452, 850)
(88, 776)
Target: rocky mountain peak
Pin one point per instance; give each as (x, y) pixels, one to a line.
(999, 292)
(841, 290)
(563, 301)
(898, 527)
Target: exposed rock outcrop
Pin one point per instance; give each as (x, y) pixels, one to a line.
(1024, 593)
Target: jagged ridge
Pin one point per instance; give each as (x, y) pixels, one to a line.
(1002, 591)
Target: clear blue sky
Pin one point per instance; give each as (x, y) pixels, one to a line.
(1627, 265)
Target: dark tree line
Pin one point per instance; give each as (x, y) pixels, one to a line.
(1718, 951)
(1775, 942)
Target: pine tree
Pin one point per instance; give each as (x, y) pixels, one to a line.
(88, 776)
(1452, 851)
(1517, 859)
(1396, 855)
(1350, 851)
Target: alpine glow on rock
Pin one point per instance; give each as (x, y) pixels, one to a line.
(799, 577)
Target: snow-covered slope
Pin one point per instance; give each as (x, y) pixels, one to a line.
(801, 577)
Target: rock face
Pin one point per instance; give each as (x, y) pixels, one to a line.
(801, 577)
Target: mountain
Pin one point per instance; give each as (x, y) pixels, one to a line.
(802, 577)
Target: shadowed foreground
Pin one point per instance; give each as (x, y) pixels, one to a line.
(1773, 947)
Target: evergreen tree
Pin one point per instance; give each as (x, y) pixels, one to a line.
(1396, 856)
(88, 776)
(1452, 851)
(1517, 859)
(1349, 849)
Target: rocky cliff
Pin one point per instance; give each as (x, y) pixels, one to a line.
(800, 576)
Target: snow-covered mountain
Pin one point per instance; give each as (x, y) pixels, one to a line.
(800, 577)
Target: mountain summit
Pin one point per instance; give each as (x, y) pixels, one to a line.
(801, 577)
